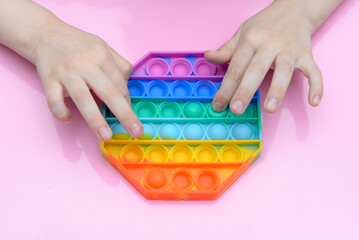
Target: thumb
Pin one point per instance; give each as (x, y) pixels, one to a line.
(224, 54)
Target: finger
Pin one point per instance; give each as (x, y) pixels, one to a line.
(252, 78)
(55, 100)
(233, 76)
(113, 73)
(224, 54)
(124, 65)
(311, 70)
(87, 106)
(284, 67)
(116, 102)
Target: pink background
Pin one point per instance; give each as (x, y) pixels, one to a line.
(55, 184)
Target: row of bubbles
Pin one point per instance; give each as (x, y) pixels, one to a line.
(182, 179)
(182, 153)
(190, 131)
(173, 89)
(166, 109)
(180, 67)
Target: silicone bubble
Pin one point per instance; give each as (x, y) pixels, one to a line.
(145, 109)
(181, 67)
(157, 67)
(157, 88)
(149, 132)
(169, 131)
(136, 88)
(119, 133)
(181, 179)
(181, 153)
(218, 131)
(207, 179)
(193, 131)
(156, 179)
(157, 153)
(204, 68)
(206, 153)
(242, 131)
(230, 153)
(131, 153)
(204, 88)
(214, 114)
(193, 110)
(181, 88)
(246, 114)
(169, 110)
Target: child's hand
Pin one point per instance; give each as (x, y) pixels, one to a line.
(70, 62)
(280, 37)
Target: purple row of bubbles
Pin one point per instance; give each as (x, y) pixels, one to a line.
(178, 88)
(180, 67)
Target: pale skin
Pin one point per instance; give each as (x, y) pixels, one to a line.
(70, 61)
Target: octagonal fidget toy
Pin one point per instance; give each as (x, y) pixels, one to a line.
(188, 151)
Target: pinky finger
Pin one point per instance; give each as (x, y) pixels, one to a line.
(311, 70)
(55, 100)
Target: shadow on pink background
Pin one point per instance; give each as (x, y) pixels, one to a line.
(56, 185)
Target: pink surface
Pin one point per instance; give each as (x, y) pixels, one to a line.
(55, 184)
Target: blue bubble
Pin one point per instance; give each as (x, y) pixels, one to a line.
(218, 131)
(193, 131)
(149, 132)
(119, 132)
(170, 131)
(242, 131)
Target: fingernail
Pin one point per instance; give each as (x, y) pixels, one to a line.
(105, 133)
(217, 106)
(272, 104)
(136, 130)
(237, 106)
(316, 100)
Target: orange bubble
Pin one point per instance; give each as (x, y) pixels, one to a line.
(156, 179)
(131, 153)
(207, 179)
(181, 179)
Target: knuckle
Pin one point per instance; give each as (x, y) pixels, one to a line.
(103, 55)
(258, 66)
(94, 120)
(233, 74)
(110, 92)
(79, 95)
(278, 89)
(285, 64)
(245, 93)
(250, 35)
(127, 68)
(223, 96)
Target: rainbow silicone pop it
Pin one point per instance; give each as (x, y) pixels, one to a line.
(188, 151)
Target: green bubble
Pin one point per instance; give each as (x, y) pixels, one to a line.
(193, 110)
(214, 114)
(145, 109)
(169, 110)
(246, 114)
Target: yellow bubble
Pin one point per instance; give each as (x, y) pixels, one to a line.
(131, 153)
(181, 153)
(206, 153)
(157, 153)
(230, 153)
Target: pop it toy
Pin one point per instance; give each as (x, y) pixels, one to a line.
(188, 151)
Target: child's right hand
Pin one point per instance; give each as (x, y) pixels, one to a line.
(70, 62)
